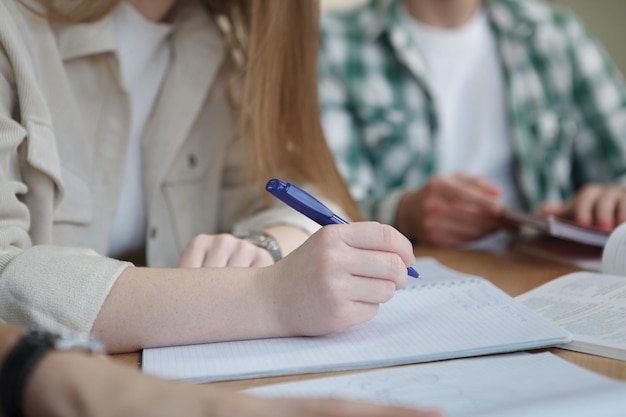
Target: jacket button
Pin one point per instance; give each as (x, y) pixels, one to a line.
(192, 161)
(153, 232)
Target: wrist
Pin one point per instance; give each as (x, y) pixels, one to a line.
(53, 389)
(25, 357)
(10, 336)
(266, 241)
(17, 367)
(268, 291)
(403, 217)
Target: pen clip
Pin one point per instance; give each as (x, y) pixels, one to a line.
(301, 201)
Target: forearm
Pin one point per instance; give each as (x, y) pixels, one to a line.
(75, 384)
(159, 307)
(68, 384)
(54, 387)
(319, 289)
(9, 336)
(405, 216)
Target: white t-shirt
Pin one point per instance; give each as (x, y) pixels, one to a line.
(467, 83)
(144, 52)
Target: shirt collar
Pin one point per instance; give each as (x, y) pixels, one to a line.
(79, 40)
(514, 18)
(83, 39)
(378, 17)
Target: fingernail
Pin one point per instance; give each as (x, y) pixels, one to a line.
(604, 225)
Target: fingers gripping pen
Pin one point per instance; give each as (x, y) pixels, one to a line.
(305, 203)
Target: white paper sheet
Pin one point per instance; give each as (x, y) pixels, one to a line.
(514, 385)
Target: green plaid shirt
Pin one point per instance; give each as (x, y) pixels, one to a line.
(566, 103)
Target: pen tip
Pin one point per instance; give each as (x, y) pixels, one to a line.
(413, 272)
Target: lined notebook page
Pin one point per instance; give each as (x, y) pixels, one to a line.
(424, 322)
(495, 386)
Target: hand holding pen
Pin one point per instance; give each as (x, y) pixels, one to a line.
(339, 276)
(305, 203)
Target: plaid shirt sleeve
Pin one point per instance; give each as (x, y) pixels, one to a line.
(364, 113)
(344, 134)
(600, 95)
(567, 102)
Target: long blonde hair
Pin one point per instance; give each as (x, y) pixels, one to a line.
(274, 46)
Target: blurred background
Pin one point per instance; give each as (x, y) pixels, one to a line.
(604, 18)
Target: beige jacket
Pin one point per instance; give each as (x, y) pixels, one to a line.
(64, 121)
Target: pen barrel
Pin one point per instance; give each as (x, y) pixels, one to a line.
(311, 207)
(336, 220)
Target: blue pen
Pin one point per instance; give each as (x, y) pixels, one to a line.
(298, 199)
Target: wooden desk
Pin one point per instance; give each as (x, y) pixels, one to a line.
(514, 273)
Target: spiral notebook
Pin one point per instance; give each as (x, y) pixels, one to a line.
(432, 319)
